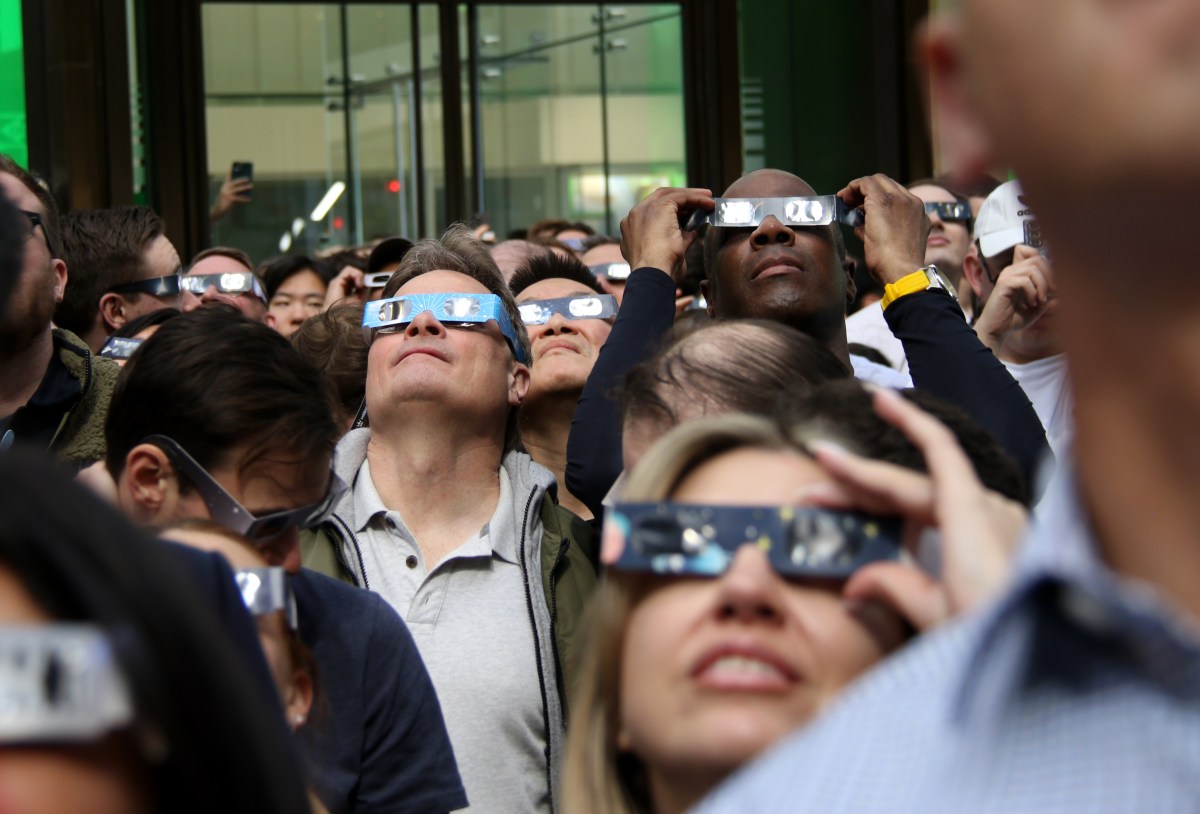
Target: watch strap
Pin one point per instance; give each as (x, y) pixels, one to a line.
(908, 284)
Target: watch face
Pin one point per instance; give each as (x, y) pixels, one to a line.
(939, 280)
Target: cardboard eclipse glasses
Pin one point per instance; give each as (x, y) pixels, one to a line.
(820, 210)
(452, 310)
(693, 540)
(590, 306)
(60, 683)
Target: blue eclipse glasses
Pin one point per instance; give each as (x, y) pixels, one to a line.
(690, 540)
(452, 310)
(588, 306)
(819, 210)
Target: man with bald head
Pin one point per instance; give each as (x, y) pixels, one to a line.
(796, 273)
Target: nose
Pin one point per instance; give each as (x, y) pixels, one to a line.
(772, 230)
(211, 294)
(189, 302)
(750, 590)
(558, 324)
(424, 324)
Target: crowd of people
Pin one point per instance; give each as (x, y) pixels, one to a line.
(722, 514)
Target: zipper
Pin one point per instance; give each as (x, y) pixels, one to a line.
(559, 677)
(341, 555)
(537, 648)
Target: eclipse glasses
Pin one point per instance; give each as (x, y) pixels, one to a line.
(120, 348)
(590, 306)
(226, 511)
(820, 210)
(231, 282)
(60, 682)
(168, 286)
(266, 590)
(611, 271)
(957, 211)
(452, 310)
(692, 540)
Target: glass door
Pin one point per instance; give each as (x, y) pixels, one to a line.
(582, 110)
(569, 110)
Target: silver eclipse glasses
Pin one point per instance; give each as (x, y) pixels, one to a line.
(820, 210)
(60, 683)
(266, 590)
(591, 306)
(231, 282)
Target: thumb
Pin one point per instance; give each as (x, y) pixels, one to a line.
(910, 592)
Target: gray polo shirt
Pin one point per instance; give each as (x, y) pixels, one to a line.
(470, 622)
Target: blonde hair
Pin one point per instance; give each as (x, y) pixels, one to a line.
(598, 777)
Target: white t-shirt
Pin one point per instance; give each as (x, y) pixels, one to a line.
(1045, 382)
(868, 327)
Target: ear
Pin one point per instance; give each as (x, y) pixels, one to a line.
(518, 384)
(299, 699)
(148, 490)
(269, 319)
(850, 266)
(959, 130)
(113, 312)
(59, 269)
(974, 272)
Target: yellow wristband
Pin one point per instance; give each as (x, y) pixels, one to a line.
(908, 284)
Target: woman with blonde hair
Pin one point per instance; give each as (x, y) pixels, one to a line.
(735, 610)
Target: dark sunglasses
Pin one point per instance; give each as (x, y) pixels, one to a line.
(226, 511)
(693, 540)
(168, 286)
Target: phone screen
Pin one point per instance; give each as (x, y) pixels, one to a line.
(243, 169)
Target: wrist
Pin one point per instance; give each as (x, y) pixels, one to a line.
(665, 264)
(889, 272)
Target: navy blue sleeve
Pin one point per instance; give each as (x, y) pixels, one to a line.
(594, 445)
(408, 762)
(947, 359)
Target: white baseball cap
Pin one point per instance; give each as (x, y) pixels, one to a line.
(1002, 219)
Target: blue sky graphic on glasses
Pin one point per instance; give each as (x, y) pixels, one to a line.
(452, 310)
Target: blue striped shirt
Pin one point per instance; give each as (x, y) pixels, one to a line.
(1077, 691)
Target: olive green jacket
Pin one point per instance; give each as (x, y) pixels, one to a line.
(79, 439)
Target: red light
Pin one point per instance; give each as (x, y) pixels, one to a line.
(339, 223)
(393, 186)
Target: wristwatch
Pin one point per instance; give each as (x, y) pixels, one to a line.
(922, 279)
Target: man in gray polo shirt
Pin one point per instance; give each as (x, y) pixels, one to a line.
(456, 529)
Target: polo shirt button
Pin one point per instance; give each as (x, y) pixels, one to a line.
(411, 560)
